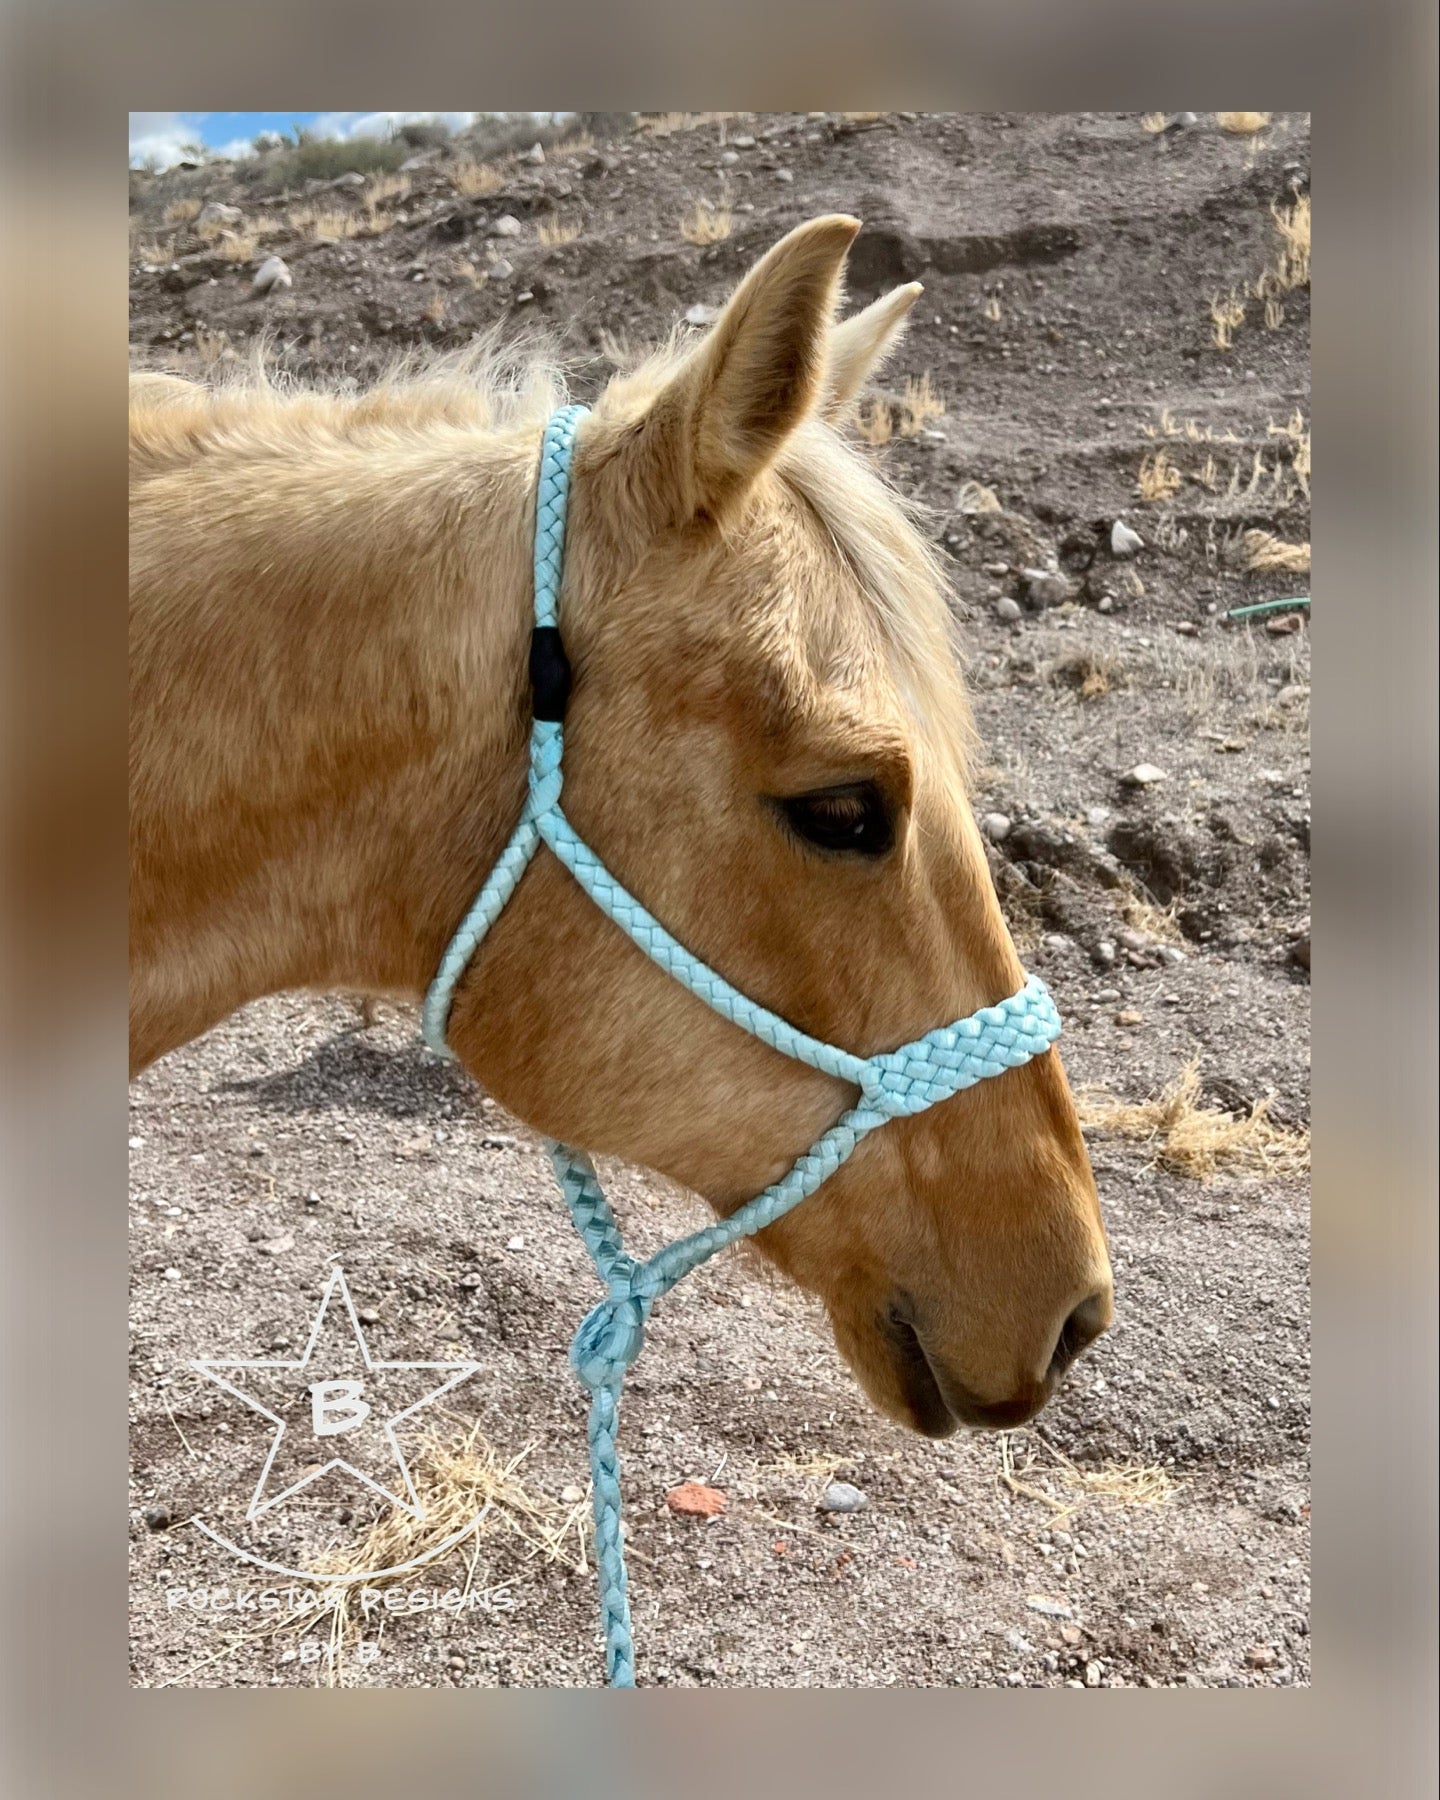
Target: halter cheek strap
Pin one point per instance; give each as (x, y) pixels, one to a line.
(893, 1085)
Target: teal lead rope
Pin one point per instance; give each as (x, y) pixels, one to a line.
(893, 1085)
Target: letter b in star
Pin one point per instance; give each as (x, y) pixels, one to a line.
(336, 1407)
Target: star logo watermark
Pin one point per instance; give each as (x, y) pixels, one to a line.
(328, 1408)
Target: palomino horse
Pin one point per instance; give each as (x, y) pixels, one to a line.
(329, 627)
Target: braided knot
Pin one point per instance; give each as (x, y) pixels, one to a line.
(610, 1337)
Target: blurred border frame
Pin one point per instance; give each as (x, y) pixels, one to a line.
(73, 70)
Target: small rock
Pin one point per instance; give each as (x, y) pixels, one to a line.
(507, 225)
(1093, 1672)
(1261, 1656)
(1170, 953)
(534, 156)
(842, 1497)
(729, 157)
(158, 1518)
(996, 827)
(784, 175)
(1285, 625)
(1186, 120)
(1105, 954)
(216, 212)
(695, 1500)
(1300, 951)
(1292, 696)
(1070, 1634)
(700, 314)
(1056, 943)
(1019, 1643)
(572, 1495)
(1187, 628)
(1105, 604)
(515, 1243)
(742, 140)
(1129, 1018)
(500, 271)
(1142, 775)
(996, 569)
(1044, 588)
(1007, 610)
(351, 179)
(1048, 1608)
(277, 1246)
(1107, 996)
(1123, 541)
(271, 277)
(369, 1315)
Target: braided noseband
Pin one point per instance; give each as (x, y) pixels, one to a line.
(894, 1085)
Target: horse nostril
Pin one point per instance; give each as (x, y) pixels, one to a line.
(1082, 1328)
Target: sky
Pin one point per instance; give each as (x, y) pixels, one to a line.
(161, 134)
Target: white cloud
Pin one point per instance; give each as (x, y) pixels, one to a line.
(377, 124)
(161, 135)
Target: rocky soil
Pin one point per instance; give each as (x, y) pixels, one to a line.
(1146, 796)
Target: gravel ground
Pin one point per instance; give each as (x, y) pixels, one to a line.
(1152, 1528)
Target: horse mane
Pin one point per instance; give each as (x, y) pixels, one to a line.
(506, 387)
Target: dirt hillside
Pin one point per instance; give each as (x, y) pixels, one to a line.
(1115, 327)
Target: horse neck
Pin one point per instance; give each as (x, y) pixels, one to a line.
(328, 724)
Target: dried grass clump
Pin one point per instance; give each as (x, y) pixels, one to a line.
(1227, 315)
(332, 223)
(461, 1482)
(1264, 551)
(1243, 124)
(237, 246)
(559, 231)
(475, 179)
(1152, 122)
(1089, 674)
(156, 250)
(383, 188)
(1197, 1140)
(1292, 270)
(1142, 912)
(921, 403)
(181, 212)
(707, 222)
(1158, 478)
(1297, 432)
(991, 309)
(1114, 1484)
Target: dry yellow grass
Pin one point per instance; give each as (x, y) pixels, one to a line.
(381, 188)
(1243, 124)
(475, 179)
(1292, 269)
(573, 146)
(921, 403)
(1264, 551)
(1158, 477)
(433, 311)
(1090, 674)
(1046, 1467)
(237, 246)
(991, 309)
(707, 222)
(1152, 122)
(559, 231)
(1142, 912)
(1196, 1140)
(1297, 432)
(1227, 315)
(333, 223)
(875, 422)
(181, 212)
(156, 250)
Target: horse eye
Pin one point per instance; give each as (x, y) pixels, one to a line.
(855, 818)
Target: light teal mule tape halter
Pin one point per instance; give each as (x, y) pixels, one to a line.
(893, 1085)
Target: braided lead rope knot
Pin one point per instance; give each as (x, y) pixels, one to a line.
(610, 1337)
(893, 1085)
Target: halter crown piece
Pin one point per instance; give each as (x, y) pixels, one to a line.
(894, 1085)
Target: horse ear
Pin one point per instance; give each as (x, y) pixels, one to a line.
(862, 344)
(762, 368)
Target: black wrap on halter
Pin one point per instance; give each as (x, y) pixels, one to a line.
(549, 674)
